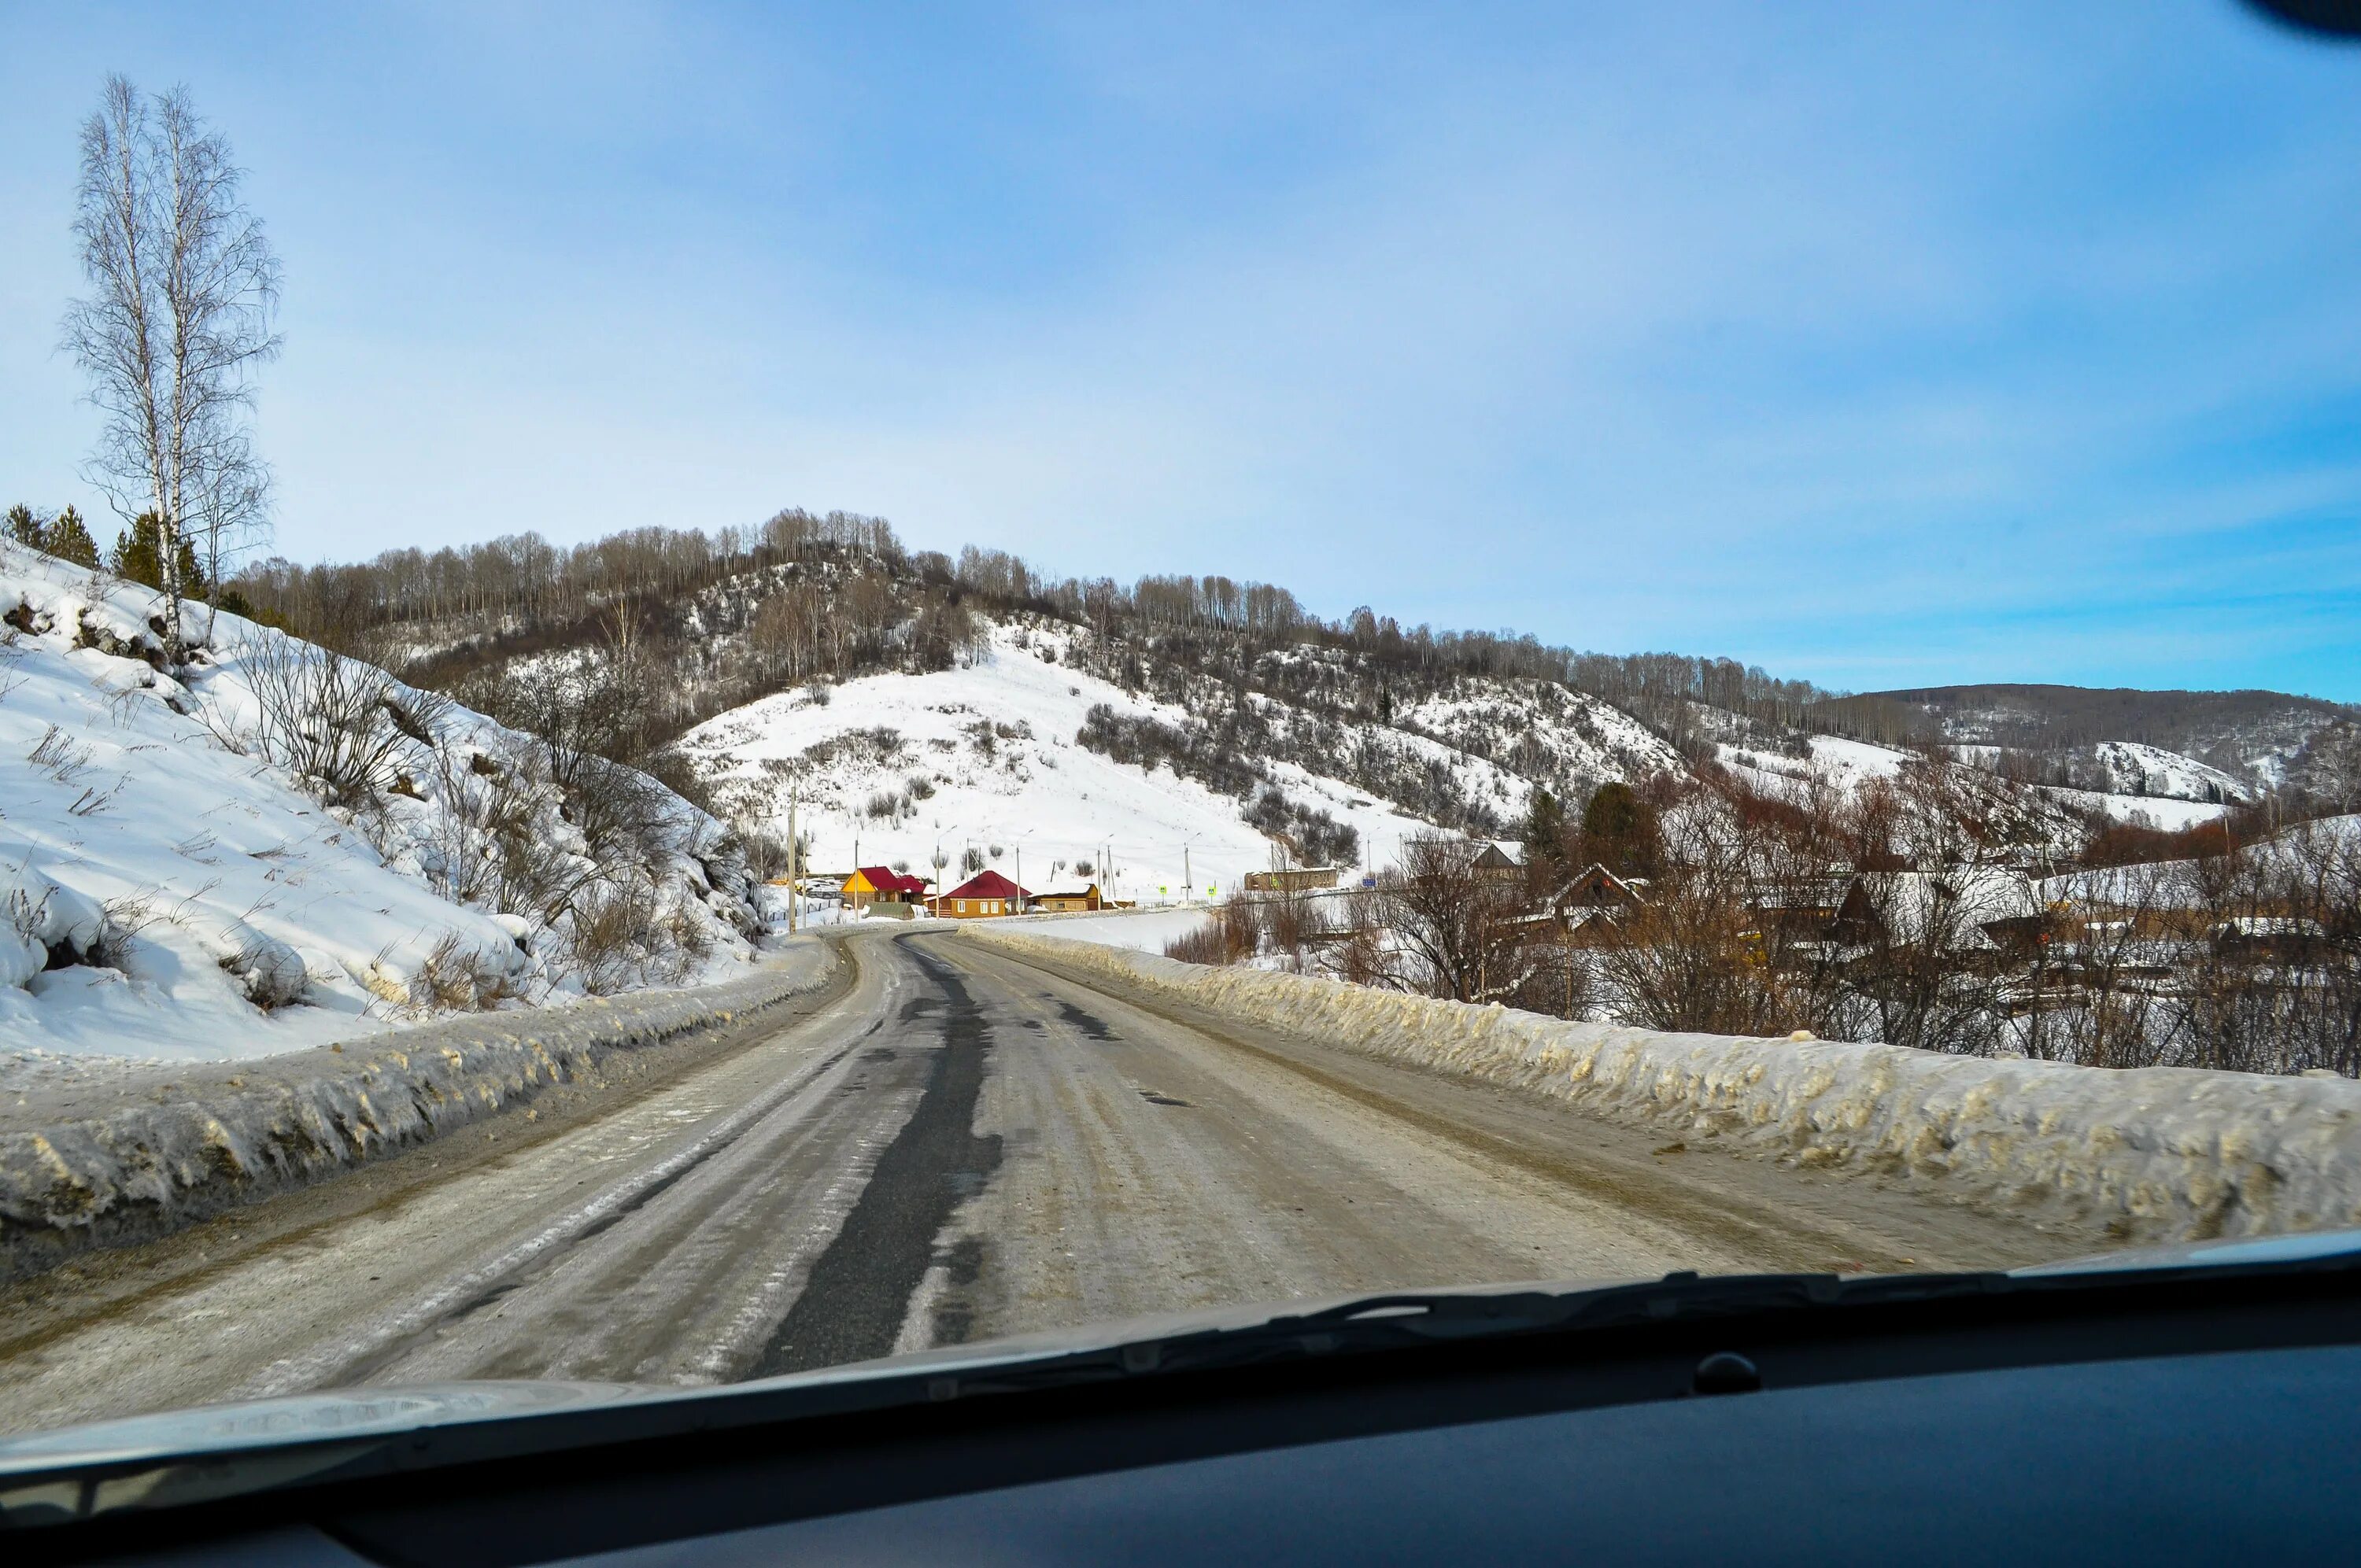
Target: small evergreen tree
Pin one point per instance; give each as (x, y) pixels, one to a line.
(25, 528)
(139, 558)
(68, 539)
(1619, 831)
(1544, 830)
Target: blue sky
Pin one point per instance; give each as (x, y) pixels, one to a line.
(1879, 345)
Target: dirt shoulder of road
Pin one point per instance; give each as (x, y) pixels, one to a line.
(85, 1167)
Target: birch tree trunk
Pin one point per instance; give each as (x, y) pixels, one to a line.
(183, 289)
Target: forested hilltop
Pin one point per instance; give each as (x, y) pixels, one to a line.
(665, 628)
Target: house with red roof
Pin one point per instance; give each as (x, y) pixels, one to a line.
(982, 896)
(882, 885)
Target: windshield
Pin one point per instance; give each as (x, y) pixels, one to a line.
(697, 695)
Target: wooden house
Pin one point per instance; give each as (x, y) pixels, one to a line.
(1493, 863)
(985, 895)
(881, 884)
(1070, 900)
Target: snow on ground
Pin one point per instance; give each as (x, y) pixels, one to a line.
(2139, 770)
(1843, 762)
(171, 894)
(1145, 930)
(2159, 1152)
(2298, 852)
(1847, 763)
(984, 756)
(1547, 730)
(2146, 810)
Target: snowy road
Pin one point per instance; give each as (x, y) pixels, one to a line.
(957, 1146)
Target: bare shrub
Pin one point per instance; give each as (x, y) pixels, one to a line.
(609, 936)
(1456, 930)
(325, 717)
(1233, 935)
(125, 917)
(1295, 923)
(268, 973)
(622, 812)
(456, 976)
(621, 933)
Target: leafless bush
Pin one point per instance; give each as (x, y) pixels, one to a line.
(454, 977)
(57, 754)
(622, 932)
(268, 973)
(1455, 930)
(622, 812)
(1294, 921)
(325, 718)
(126, 916)
(1232, 935)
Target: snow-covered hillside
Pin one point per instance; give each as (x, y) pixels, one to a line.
(1843, 762)
(175, 890)
(2136, 770)
(897, 768)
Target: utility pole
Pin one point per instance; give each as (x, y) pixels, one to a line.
(794, 879)
(1188, 881)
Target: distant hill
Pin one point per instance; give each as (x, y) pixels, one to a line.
(2260, 737)
(907, 703)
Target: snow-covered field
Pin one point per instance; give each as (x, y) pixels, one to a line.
(2146, 810)
(174, 895)
(1145, 930)
(985, 757)
(1839, 762)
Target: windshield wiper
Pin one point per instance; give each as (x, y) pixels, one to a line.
(1412, 1319)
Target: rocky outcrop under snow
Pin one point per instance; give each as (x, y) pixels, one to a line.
(2155, 1154)
(119, 1156)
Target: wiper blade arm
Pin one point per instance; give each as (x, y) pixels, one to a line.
(1406, 1319)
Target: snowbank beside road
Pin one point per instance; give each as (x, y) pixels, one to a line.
(129, 1153)
(2154, 1154)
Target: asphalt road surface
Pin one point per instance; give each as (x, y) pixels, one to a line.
(956, 1146)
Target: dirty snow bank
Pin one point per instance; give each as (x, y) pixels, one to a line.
(133, 1153)
(2154, 1154)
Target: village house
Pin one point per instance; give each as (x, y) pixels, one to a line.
(1585, 911)
(881, 884)
(1070, 900)
(1596, 887)
(1494, 864)
(1809, 911)
(982, 896)
(2269, 938)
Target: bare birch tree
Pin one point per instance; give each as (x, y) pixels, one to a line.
(183, 290)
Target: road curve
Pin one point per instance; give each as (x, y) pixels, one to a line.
(957, 1145)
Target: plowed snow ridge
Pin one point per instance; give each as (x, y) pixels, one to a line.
(2155, 1154)
(143, 1153)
